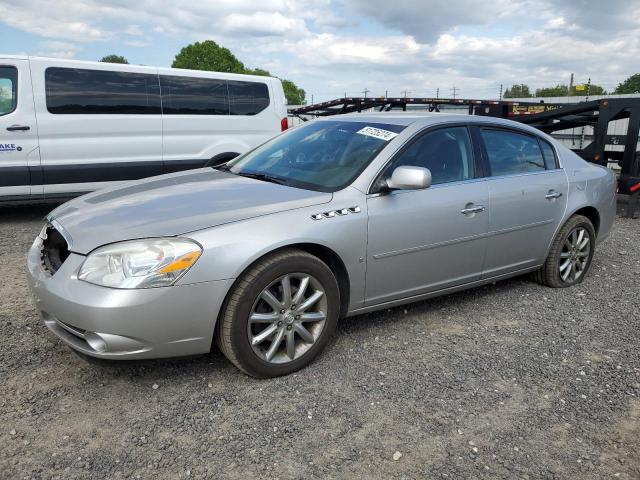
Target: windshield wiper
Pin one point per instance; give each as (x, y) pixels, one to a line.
(223, 167)
(264, 177)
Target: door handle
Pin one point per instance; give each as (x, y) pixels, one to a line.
(470, 210)
(15, 128)
(551, 195)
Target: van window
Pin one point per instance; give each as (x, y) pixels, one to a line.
(81, 91)
(8, 89)
(247, 98)
(194, 96)
(511, 153)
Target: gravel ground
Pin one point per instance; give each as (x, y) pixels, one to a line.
(511, 380)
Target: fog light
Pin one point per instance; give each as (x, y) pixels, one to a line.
(95, 342)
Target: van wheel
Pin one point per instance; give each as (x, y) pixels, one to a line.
(279, 315)
(570, 254)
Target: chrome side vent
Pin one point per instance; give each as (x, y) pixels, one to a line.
(333, 213)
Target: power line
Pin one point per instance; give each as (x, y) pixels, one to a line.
(455, 90)
(366, 91)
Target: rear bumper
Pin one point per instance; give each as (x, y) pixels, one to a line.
(125, 324)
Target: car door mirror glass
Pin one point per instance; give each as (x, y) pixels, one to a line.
(407, 177)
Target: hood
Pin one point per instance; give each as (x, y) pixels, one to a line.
(173, 204)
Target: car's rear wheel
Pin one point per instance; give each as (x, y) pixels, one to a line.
(279, 314)
(570, 254)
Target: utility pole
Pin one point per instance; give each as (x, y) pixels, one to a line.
(405, 93)
(455, 90)
(438, 92)
(312, 99)
(366, 91)
(500, 92)
(386, 94)
(586, 100)
(570, 85)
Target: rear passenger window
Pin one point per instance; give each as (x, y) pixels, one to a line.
(8, 89)
(549, 155)
(512, 153)
(247, 98)
(194, 96)
(81, 91)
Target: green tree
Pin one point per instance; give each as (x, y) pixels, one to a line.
(517, 91)
(114, 59)
(563, 91)
(630, 85)
(258, 71)
(208, 55)
(557, 91)
(295, 95)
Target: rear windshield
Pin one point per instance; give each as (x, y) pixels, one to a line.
(325, 155)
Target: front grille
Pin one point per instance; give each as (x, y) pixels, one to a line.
(54, 250)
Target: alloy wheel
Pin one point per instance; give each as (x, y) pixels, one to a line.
(574, 255)
(287, 318)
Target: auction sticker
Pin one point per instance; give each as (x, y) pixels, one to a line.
(385, 135)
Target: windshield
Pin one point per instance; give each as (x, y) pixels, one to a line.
(325, 156)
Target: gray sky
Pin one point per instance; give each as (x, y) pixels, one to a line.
(330, 47)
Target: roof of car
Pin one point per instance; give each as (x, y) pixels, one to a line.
(394, 118)
(426, 118)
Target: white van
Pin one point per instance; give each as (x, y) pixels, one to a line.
(68, 127)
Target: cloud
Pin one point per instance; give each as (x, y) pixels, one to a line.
(333, 46)
(427, 20)
(263, 24)
(58, 49)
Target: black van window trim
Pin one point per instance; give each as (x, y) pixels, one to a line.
(266, 100)
(99, 70)
(14, 89)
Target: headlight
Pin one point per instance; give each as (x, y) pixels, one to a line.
(155, 262)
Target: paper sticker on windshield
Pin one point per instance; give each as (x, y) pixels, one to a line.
(385, 135)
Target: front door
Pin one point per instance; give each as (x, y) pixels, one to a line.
(426, 240)
(18, 130)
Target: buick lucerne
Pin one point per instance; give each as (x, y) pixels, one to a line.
(339, 216)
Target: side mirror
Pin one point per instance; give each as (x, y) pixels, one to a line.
(409, 178)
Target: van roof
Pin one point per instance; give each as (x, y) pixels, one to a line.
(151, 68)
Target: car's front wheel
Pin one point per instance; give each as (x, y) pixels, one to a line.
(570, 254)
(279, 314)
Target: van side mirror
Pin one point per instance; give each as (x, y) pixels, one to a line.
(408, 177)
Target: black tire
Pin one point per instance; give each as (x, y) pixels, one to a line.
(232, 336)
(549, 274)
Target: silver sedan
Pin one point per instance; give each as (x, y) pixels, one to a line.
(334, 218)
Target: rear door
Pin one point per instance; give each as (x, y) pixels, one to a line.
(18, 131)
(528, 194)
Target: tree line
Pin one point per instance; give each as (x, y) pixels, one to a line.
(210, 56)
(630, 85)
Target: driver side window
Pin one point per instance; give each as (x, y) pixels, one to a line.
(446, 152)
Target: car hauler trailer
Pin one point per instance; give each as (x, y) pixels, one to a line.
(548, 117)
